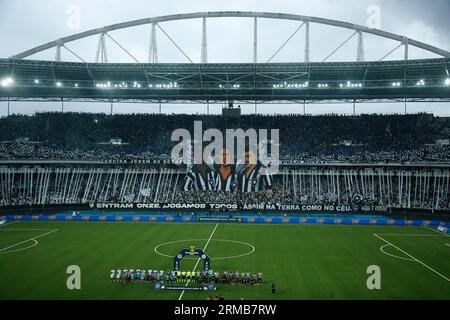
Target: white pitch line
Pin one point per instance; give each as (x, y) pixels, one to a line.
(31, 239)
(410, 235)
(27, 229)
(7, 224)
(21, 249)
(155, 249)
(393, 255)
(415, 259)
(441, 233)
(195, 267)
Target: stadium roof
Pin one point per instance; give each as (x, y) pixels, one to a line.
(412, 80)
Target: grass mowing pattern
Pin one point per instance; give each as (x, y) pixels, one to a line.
(306, 261)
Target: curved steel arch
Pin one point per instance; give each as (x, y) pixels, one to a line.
(243, 14)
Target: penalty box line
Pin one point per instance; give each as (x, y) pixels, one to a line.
(198, 260)
(412, 257)
(31, 239)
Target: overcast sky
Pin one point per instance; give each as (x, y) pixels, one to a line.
(28, 23)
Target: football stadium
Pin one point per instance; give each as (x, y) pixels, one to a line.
(151, 178)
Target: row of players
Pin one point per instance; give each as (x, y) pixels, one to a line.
(238, 278)
(136, 275)
(182, 276)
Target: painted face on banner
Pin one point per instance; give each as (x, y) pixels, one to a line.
(225, 156)
(250, 158)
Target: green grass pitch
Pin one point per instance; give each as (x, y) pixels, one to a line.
(305, 261)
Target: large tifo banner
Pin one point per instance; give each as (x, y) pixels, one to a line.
(227, 207)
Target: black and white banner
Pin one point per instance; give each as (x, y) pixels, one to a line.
(218, 207)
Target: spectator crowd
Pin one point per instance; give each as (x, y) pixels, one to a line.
(303, 139)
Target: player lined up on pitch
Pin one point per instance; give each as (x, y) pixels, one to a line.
(172, 277)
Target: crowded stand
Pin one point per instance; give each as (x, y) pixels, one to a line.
(303, 139)
(375, 187)
(376, 161)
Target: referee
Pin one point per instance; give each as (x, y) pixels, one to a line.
(273, 287)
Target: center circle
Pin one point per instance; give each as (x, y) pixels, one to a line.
(252, 249)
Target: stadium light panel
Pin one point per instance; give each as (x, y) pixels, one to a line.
(420, 83)
(447, 82)
(298, 85)
(6, 82)
(76, 85)
(59, 84)
(105, 85)
(352, 85)
(36, 81)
